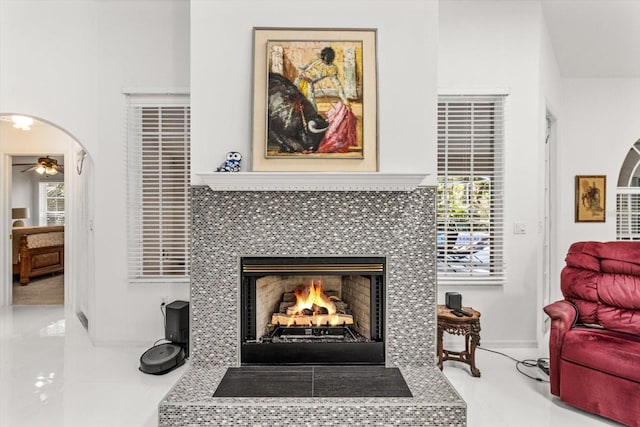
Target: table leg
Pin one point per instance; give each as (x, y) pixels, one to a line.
(475, 341)
(440, 350)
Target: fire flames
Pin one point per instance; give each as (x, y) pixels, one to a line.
(314, 305)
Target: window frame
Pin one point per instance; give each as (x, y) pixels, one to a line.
(471, 149)
(628, 196)
(158, 188)
(44, 198)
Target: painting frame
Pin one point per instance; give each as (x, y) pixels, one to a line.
(362, 156)
(590, 199)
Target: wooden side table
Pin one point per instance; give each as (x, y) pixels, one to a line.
(469, 327)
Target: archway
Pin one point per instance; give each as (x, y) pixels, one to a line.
(46, 138)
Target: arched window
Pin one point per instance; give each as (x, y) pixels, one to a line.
(628, 196)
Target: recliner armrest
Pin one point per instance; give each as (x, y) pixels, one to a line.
(564, 316)
(564, 312)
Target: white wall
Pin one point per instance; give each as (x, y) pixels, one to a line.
(140, 45)
(48, 63)
(75, 57)
(550, 104)
(25, 186)
(499, 44)
(600, 123)
(490, 47)
(22, 193)
(67, 62)
(222, 67)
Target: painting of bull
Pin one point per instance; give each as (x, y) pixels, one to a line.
(294, 125)
(314, 100)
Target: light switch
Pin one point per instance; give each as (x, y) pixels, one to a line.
(519, 228)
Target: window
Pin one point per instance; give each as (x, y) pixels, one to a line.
(470, 189)
(628, 196)
(51, 203)
(158, 189)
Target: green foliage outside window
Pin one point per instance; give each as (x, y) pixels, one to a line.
(464, 203)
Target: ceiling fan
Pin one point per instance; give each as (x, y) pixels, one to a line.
(46, 165)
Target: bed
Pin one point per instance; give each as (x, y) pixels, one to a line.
(37, 251)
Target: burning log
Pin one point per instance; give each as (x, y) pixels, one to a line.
(314, 320)
(312, 307)
(284, 305)
(289, 297)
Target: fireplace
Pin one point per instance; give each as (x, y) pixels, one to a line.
(312, 310)
(396, 226)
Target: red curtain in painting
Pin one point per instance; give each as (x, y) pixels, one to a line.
(342, 130)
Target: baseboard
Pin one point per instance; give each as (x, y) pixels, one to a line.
(494, 344)
(509, 344)
(122, 343)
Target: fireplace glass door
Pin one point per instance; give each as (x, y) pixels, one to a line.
(312, 310)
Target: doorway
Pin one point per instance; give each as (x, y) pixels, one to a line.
(548, 251)
(53, 199)
(38, 215)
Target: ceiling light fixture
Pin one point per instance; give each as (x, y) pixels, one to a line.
(49, 170)
(46, 165)
(22, 122)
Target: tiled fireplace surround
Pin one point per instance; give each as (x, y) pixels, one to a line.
(398, 225)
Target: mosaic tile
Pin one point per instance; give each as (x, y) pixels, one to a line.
(191, 403)
(397, 225)
(400, 226)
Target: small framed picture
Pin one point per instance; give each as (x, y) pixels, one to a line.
(591, 198)
(315, 100)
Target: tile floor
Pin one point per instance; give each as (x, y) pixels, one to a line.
(51, 375)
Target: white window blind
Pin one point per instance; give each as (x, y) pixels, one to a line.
(470, 198)
(51, 203)
(158, 189)
(628, 214)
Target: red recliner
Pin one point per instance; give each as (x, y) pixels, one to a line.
(594, 345)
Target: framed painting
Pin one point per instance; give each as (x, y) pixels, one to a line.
(315, 100)
(591, 198)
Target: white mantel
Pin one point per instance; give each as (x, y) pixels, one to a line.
(310, 181)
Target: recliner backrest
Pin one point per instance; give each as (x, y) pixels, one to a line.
(603, 280)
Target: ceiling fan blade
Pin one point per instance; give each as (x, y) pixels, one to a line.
(43, 162)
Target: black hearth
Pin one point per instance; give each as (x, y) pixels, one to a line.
(312, 310)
